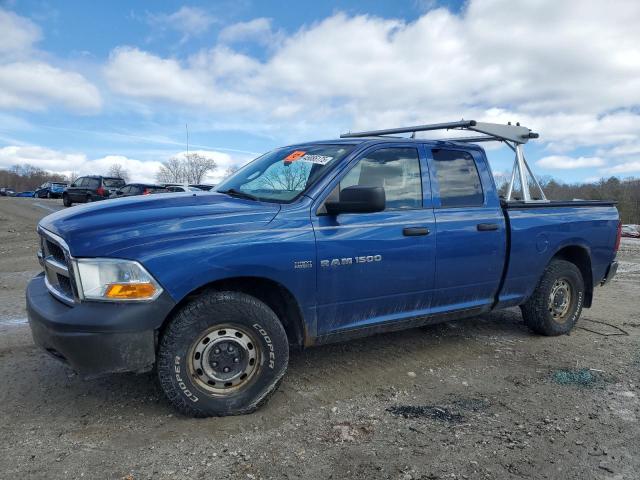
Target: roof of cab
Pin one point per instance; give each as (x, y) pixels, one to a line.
(380, 140)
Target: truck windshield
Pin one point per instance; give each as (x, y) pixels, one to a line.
(283, 174)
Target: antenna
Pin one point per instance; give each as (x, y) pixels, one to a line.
(186, 126)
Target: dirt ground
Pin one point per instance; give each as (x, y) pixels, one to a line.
(481, 398)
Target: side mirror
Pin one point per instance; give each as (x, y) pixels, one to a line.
(358, 200)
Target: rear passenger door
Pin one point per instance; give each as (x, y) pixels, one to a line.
(470, 230)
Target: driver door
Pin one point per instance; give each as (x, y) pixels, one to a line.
(376, 268)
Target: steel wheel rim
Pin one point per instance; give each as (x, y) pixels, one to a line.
(560, 299)
(224, 359)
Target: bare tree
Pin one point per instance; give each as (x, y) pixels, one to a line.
(117, 170)
(293, 177)
(197, 166)
(171, 171)
(191, 169)
(230, 171)
(72, 177)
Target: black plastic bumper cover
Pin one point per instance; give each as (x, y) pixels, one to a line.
(96, 338)
(611, 272)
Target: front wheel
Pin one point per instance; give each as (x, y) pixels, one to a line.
(66, 201)
(49, 195)
(223, 353)
(556, 303)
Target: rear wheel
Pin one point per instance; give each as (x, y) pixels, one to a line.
(66, 201)
(556, 303)
(223, 353)
(89, 199)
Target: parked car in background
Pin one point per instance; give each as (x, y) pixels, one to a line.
(631, 231)
(25, 194)
(182, 188)
(203, 186)
(50, 190)
(7, 192)
(91, 188)
(132, 189)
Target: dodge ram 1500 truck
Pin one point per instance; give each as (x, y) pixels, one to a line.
(310, 244)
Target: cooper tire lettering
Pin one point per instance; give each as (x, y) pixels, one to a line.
(187, 393)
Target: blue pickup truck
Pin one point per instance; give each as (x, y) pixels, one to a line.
(308, 244)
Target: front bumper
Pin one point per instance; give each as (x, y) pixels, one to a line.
(611, 272)
(96, 338)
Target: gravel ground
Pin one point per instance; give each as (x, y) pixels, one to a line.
(481, 398)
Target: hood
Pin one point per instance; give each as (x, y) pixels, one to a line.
(104, 228)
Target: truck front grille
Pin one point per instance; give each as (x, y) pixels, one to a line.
(55, 258)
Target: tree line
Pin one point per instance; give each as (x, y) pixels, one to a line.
(625, 192)
(191, 169)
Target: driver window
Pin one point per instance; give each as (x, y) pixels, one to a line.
(397, 170)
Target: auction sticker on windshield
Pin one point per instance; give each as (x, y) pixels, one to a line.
(318, 159)
(293, 156)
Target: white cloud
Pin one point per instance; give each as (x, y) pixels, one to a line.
(552, 61)
(35, 85)
(190, 21)
(258, 30)
(564, 162)
(140, 74)
(31, 84)
(18, 33)
(139, 171)
(626, 167)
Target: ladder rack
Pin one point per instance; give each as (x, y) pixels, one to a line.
(514, 136)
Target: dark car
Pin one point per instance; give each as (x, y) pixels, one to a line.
(203, 186)
(182, 188)
(132, 189)
(7, 192)
(50, 190)
(90, 189)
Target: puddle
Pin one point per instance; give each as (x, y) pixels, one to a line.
(583, 377)
(442, 414)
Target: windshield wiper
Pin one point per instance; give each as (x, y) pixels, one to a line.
(232, 192)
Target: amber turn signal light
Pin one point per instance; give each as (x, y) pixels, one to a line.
(130, 291)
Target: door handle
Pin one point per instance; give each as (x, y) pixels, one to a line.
(415, 231)
(487, 227)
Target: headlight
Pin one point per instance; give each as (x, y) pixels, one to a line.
(115, 280)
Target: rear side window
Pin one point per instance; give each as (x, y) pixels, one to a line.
(91, 183)
(458, 179)
(113, 182)
(397, 170)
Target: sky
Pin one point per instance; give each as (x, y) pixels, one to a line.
(84, 85)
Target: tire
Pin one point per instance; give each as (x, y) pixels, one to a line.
(49, 195)
(201, 333)
(66, 201)
(548, 311)
(89, 199)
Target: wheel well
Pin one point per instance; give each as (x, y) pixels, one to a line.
(273, 294)
(580, 257)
